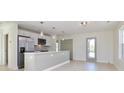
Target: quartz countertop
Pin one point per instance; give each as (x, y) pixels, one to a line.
(38, 52)
(36, 61)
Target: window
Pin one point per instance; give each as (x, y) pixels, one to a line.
(0, 48)
(121, 43)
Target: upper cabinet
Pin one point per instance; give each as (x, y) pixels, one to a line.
(20, 32)
(35, 36)
(25, 33)
(48, 40)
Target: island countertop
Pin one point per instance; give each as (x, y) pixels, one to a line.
(38, 52)
(45, 60)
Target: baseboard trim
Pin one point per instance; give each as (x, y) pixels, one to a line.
(56, 66)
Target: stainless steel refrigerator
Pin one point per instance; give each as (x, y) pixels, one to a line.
(25, 44)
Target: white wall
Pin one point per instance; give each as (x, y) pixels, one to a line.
(119, 63)
(104, 45)
(12, 30)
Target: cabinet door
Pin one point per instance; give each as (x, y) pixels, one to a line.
(26, 33)
(30, 44)
(20, 32)
(35, 39)
(48, 41)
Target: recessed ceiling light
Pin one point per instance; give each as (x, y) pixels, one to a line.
(63, 35)
(84, 23)
(108, 21)
(53, 27)
(41, 22)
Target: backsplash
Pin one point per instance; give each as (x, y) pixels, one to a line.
(41, 48)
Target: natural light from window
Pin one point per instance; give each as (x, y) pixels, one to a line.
(121, 43)
(0, 47)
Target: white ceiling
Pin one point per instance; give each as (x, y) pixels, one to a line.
(69, 27)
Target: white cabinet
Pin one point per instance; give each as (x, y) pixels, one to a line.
(24, 33)
(53, 44)
(37, 61)
(39, 36)
(34, 36)
(28, 43)
(35, 39)
(48, 40)
(20, 32)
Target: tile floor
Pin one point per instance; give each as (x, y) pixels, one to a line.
(78, 66)
(5, 68)
(86, 66)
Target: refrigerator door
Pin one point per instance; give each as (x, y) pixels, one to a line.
(29, 44)
(21, 60)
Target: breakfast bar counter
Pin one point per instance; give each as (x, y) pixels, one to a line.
(37, 61)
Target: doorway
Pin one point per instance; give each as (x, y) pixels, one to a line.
(6, 49)
(67, 45)
(91, 49)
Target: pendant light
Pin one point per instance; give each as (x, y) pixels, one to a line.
(41, 34)
(63, 39)
(54, 36)
(63, 35)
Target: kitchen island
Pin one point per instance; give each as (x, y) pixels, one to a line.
(37, 61)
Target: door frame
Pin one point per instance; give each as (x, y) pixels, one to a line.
(87, 58)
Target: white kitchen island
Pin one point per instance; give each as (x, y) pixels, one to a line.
(37, 61)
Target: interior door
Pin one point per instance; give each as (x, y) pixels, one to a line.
(91, 49)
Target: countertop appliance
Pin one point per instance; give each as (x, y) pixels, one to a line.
(41, 41)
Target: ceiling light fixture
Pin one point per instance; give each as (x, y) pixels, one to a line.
(84, 23)
(108, 21)
(63, 35)
(53, 27)
(63, 39)
(41, 34)
(54, 36)
(42, 22)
